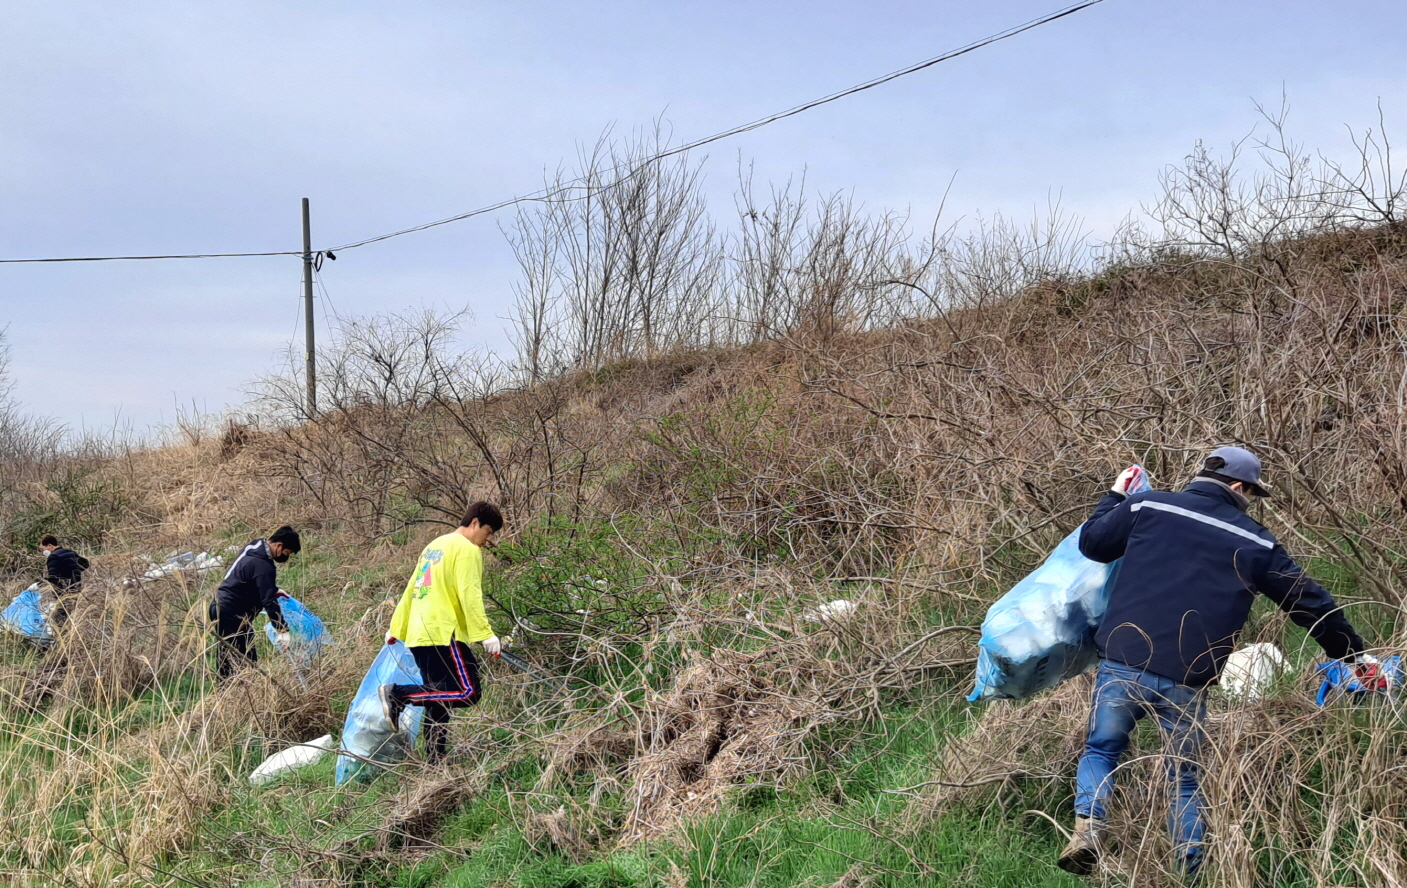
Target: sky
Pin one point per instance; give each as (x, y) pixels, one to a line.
(179, 127)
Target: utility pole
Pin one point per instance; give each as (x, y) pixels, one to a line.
(309, 354)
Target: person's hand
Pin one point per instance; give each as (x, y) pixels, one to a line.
(492, 646)
(1369, 673)
(390, 639)
(284, 638)
(1129, 477)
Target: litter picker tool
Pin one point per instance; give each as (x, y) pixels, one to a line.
(532, 671)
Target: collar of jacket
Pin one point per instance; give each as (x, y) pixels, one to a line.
(1221, 489)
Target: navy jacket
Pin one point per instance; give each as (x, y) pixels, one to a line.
(1192, 563)
(63, 569)
(251, 585)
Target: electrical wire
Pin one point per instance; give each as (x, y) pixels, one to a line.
(562, 192)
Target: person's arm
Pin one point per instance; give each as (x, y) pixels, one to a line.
(1310, 605)
(469, 580)
(1105, 535)
(266, 579)
(400, 618)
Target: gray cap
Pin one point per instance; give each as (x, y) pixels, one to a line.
(1236, 464)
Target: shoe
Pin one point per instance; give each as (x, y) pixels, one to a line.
(1080, 856)
(391, 707)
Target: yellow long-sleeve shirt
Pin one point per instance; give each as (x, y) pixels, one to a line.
(444, 599)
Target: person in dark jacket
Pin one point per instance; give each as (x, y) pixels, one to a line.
(63, 570)
(1192, 564)
(250, 585)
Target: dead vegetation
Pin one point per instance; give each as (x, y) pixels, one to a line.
(907, 425)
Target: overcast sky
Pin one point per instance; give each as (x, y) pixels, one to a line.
(197, 127)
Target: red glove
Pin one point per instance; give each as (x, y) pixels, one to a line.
(1370, 674)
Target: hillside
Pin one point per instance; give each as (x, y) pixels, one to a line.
(673, 523)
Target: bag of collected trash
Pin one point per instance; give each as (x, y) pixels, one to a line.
(291, 758)
(1042, 631)
(307, 634)
(365, 734)
(1341, 680)
(1251, 671)
(27, 616)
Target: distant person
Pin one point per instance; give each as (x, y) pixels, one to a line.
(63, 570)
(441, 611)
(250, 585)
(1192, 564)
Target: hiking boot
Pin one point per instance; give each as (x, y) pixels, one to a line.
(1080, 856)
(391, 707)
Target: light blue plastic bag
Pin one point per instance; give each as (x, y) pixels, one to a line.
(365, 732)
(1042, 631)
(307, 634)
(25, 616)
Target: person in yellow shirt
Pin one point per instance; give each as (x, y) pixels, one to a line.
(441, 611)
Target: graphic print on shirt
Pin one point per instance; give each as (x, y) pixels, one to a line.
(426, 571)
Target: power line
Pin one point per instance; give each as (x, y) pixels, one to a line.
(558, 193)
(551, 194)
(172, 256)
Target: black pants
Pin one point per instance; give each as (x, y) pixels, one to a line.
(234, 638)
(450, 677)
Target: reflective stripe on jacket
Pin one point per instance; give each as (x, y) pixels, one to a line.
(1192, 564)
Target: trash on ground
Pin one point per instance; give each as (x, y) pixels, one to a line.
(1251, 672)
(176, 563)
(366, 737)
(293, 757)
(1042, 631)
(838, 609)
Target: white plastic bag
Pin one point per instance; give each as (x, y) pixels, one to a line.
(293, 757)
(1251, 671)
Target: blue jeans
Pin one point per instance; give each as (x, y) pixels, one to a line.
(1123, 695)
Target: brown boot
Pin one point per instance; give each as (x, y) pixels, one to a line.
(1080, 856)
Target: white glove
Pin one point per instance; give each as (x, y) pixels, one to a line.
(492, 646)
(283, 639)
(1127, 478)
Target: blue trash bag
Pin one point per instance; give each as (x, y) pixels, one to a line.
(1340, 681)
(365, 733)
(26, 616)
(1042, 631)
(307, 634)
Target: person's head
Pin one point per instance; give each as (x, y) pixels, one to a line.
(481, 521)
(48, 544)
(283, 543)
(1237, 468)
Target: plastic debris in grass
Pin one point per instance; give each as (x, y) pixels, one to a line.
(368, 742)
(292, 758)
(195, 563)
(1341, 680)
(28, 616)
(307, 634)
(831, 611)
(1251, 672)
(1042, 631)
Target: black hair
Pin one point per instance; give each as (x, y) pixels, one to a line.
(49, 540)
(289, 537)
(486, 514)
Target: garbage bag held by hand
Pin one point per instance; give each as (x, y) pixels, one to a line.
(365, 732)
(307, 634)
(26, 616)
(1042, 631)
(1340, 677)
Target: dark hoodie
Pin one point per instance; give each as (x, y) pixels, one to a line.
(251, 585)
(63, 570)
